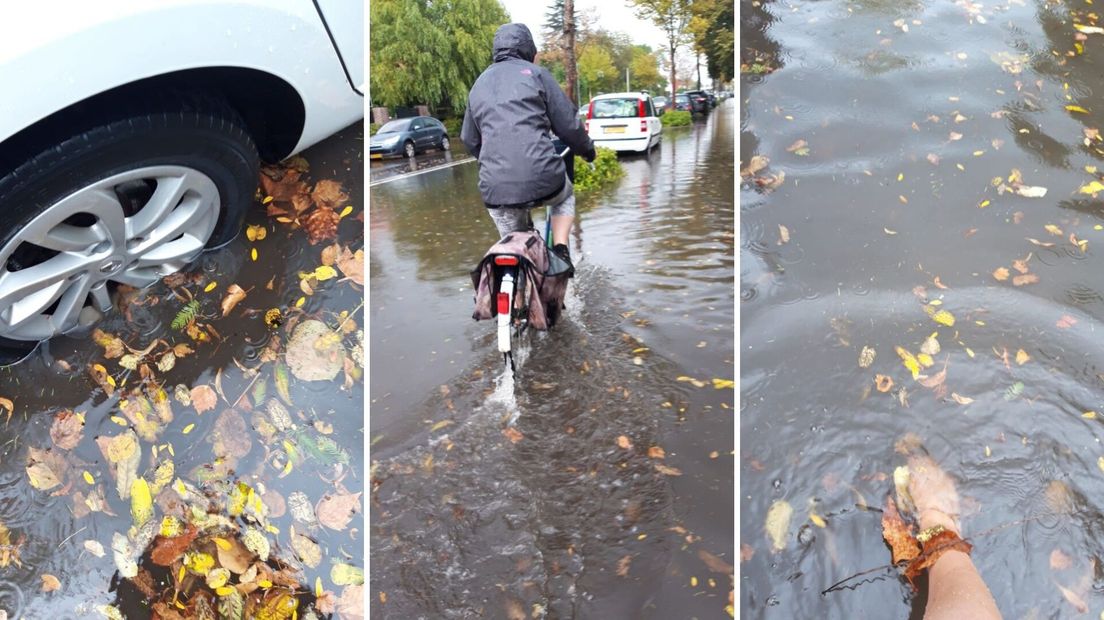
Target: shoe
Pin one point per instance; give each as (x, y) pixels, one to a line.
(561, 250)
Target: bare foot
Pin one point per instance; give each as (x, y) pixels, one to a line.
(933, 492)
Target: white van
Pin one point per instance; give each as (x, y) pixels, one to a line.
(623, 122)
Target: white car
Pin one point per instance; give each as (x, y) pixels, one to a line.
(623, 122)
(132, 130)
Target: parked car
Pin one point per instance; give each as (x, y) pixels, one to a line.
(408, 136)
(623, 122)
(712, 98)
(682, 103)
(660, 104)
(698, 101)
(136, 138)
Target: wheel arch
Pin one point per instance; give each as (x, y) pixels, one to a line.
(274, 112)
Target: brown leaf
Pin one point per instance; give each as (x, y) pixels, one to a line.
(624, 442)
(938, 283)
(235, 556)
(67, 430)
(336, 511)
(49, 582)
(1043, 244)
(656, 452)
(884, 383)
(351, 265)
(351, 603)
(1020, 265)
(962, 400)
(329, 254)
(1066, 322)
(715, 564)
(796, 146)
(746, 552)
(168, 550)
(1059, 560)
(113, 345)
(327, 194)
(282, 184)
(513, 434)
(230, 437)
(623, 566)
(898, 535)
(667, 471)
(756, 164)
(234, 294)
(935, 380)
(933, 159)
(1001, 274)
(1025, 279)
(1074, 599)
(204, 398)
(321, 225)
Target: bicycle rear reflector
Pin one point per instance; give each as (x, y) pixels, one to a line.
(503, 303)
(506, 260)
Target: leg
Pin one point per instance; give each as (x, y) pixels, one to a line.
(955, 589)
(563, 215)
(509, 220)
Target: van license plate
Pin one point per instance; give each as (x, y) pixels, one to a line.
(615, 129)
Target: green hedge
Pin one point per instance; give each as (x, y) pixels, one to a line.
(453, 126)
(606, 169)
(677, 118)
(372, 129)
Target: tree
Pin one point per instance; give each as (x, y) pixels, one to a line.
(672, 17)
(711, 25)
(430, 52)
(569, 49)
(596, 69)
(644, 70)
(554, 20)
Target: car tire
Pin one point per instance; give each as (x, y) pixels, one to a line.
(445, 143)
(194, 143)
(408, 150)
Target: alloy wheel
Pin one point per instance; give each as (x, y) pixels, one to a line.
(131, 228)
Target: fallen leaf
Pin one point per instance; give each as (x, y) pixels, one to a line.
(756, 164)
(623, 566)
(624, 442)
(1030, 191)
(256, 233)
(1093, 188)
(1072, 597)
(1066, 322)
(315, 352)
(1044, 244)
(656, 452)
(866, 357)
(883, 383)
(778, 524)
(933, 159)
(1054, 230)
(935, 380)
(930, 346)
(962, 400)
(714, 563)
(667, 471)
(328, 194)
(141, 502)
(1020, 265)
(783, 235)
(336, 511)
(66, 430)
(204, 398)
(167, 550)
(909, 361)
(346, 574)
(1025, 279)
(513, 434)
(897, 534)
(1077, 108)
(94, 547)
(351, 603)
(49, 582)
(955, 136)
(1022, 357)
(321, 225)
(801, 147)
(234, 294)
(351, 265)
(1059, 560)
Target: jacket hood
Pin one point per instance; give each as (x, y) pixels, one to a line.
(514, 41)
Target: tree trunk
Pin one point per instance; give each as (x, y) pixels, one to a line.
(697, 61)
(673, 85)
(569, 49)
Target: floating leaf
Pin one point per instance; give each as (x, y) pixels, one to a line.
(1022, 357)
(1025, 279)
(66, 430)
(909, 361)
(336, 511)
(1029, 191)
(1054, 230)
(280, 378)
(883, 383)
(186, 315)
(1066, 322)
(204, 398)
(962, 400)
(308, 551)
(866, 357)
(346, 575)
(1077, 108)
(94, 547)
(141, 502)
(1093, 188)
(1001, 274)
(234, 294)
(256, 233)
(943, 317)
(1014, 391)
(124, 556)
(255, 540)
(778, 524)
(624, 442)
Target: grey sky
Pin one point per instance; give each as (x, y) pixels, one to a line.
(613, 15)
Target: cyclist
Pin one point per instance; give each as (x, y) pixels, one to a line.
(514, 109)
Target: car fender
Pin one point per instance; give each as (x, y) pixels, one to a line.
(54, 57)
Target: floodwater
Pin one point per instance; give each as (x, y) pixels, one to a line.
(592, 484)
(381, 169)
(914, 113)
(53, 532)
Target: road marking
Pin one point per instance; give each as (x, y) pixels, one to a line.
(416, 173)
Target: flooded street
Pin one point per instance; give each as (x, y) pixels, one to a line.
(597, 483)
(181, 417)
(937, 209)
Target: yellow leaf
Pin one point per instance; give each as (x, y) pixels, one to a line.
(344, 212)
(200, 563)
(88, 478)
(1052, 229)
(1100, 463)
(318, 587)
(1077, 108)
(1092, 188)
(188, 429)
(141, 502)
(925, 360)
(267, 199)
(1022, 357)
(256, 233)
(944, 317)
(778, 523)
(324, 272)
(1089, 415)
(817, 520)
(222, 543)
(210, 287)
(970, 352)
(171, 527)
(721, 384)
(49, 582)
(253, 254)
(438, 426)
(299, 302)
(217, 578)
(120, 421)
(224, 591)
(910, 362)
(693, 582)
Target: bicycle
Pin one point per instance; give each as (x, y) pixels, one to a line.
(516, 267)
